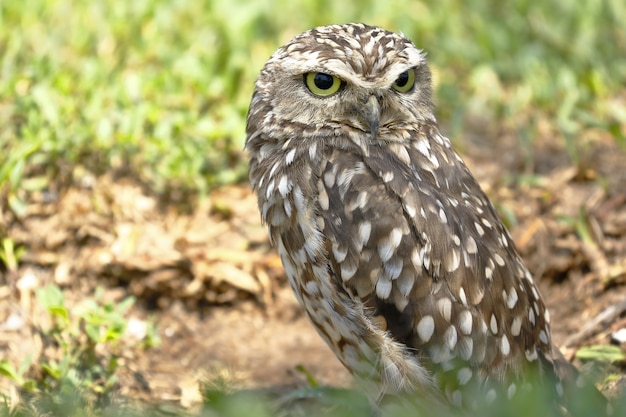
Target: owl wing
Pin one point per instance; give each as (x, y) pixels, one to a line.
(415, 239)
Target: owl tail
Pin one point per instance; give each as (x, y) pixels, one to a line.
(580, 397)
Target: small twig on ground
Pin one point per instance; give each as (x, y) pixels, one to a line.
(596, 324)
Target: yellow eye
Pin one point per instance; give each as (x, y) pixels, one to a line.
(405, 81)
(322, 84)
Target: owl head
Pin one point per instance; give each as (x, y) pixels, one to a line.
(350, 79)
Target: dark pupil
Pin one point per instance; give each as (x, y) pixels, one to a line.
(323, 81)
(403, 79)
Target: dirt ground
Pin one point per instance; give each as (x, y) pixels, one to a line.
(216, 291)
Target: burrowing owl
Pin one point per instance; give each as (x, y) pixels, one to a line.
(389, 243)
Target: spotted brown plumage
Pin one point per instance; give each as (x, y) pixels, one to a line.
(390, 245)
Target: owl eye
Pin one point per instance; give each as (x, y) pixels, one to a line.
(405, 81)
(322, 84)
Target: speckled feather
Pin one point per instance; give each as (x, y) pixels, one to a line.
(389, 243)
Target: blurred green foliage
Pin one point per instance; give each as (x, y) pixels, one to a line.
(76, 372)
(320, 401)
(81, 348)
(160, 88)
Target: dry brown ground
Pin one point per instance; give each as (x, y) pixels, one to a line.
(216, 289)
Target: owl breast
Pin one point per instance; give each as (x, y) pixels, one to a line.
(303, 199)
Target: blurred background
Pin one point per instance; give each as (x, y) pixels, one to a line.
(123, 182)
(161, 88)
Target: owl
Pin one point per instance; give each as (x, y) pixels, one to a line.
(388, 242)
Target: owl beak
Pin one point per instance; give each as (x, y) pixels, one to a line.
(371, 114)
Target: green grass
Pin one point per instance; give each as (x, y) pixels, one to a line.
(81, 348)
(320, 401)
(159, 89)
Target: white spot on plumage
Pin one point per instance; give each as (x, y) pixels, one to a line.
(388, 176)
(425, 328)
(329, 178)
(465, 322)
(462, 296)
(505, 347)
(528, 276)
(457, 398)
(535, 292)
(559, 389)
(442, 216)
(453, 261)
(464, 375)
(344, 179)
(387, 247)
(417, 258)
(348, 270)
(512, 298)
(369, 46)
(488, 272)
(313, 242)
(483, 326)
(493, 324)
(313, 151)
(365, 229)
(298, 198)
(423, 147)
(300, 256)
(290, 156)
(479, 229)
(395, 237)
(322, 196)
(385, 251)
(470, 245)
(410, 210)
(466, 347)
(339, 252)
(491, 396)
(270, 189)
(362, 199)
(277, 217)
(510, 392)
(312, 288)
(383, 288)
(450, 337)
(401, 152)
(393, 268)
(405, 283)
(516, 326)
(433, 160)
(444, 306)
(284, 186)
(505, 240)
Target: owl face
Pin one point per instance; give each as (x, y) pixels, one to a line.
(346, 79)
